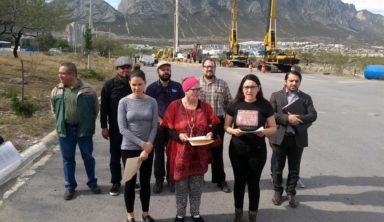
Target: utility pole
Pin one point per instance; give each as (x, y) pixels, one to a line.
(91, 27)
(176, 39)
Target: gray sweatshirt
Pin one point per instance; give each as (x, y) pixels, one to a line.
(137, 119)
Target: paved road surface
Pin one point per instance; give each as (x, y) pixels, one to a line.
(342, 168)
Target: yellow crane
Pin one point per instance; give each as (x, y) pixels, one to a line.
(235, 57)
(274, 58)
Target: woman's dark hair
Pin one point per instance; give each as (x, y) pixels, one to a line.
(240, 95)
(137, 73)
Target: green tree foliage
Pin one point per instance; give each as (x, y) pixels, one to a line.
(47, 41)
(20, 18)
(105, 45)
(87, 38)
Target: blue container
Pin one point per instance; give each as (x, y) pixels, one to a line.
(374, 72)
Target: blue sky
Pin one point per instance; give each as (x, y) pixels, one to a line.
(375, 6)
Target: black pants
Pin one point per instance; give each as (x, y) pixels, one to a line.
(247, 168)
(145, 177)
(115, 139)
(217, 166)
(159, 148)
(287, 150)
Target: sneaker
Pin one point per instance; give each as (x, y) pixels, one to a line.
(95, 189)
(115, 189)
(197, 219)
(224, 187)
(137, 187)
(171, 186)
(158, 186)
(148, 218)
(179, 219)
(300, 183)
(69, 194)
(277, 198)
(292, 201)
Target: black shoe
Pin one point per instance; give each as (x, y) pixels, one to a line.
(292, 201)
(131, 220)
(277, 199)
(137, 187)
(178, 219)
(224, 187)
(69, 194)
(148, 219)
(197, 219)
(115, 189)
(252, 216)
(238, 215)
(158, 186)
(95, 189)
(171, 186)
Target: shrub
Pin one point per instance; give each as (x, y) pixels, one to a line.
(92, 74)
(10, 92)
(24, 108)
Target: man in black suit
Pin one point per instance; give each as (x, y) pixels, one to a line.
(291, 136)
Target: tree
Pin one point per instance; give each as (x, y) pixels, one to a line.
(20, 18)
(105, 45)
(46, 41)
(87, 40)
(88, 44)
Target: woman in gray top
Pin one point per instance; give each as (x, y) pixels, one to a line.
(137, 119)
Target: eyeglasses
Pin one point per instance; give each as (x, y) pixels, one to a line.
(207, 67)
(64, 73)
(195, 89)
(125, 67)
(249, 87)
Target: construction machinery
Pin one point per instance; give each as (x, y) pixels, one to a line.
(234, 56)
(275, 59)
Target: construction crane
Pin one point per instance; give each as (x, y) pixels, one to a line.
(274, 58)
(234, 57)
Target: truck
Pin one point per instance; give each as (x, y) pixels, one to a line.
(275, 60)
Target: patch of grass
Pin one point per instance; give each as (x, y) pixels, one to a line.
(91, 74)
(338, 63)
(41, 75)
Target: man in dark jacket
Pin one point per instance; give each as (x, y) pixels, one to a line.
(111, 93)
(294, 113)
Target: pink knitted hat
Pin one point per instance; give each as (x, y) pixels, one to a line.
(189, 82)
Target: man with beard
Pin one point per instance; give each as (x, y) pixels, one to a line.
(111, 93)
(164, 91)
(294, 114)
(216, 92)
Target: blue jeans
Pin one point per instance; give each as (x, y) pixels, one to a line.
(68, 151)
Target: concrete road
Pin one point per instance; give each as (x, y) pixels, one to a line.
(342, 167)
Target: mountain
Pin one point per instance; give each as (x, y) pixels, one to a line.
(209, 20)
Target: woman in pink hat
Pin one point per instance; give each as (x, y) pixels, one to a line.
(185, 118)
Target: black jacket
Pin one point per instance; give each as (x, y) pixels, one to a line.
(111, 93)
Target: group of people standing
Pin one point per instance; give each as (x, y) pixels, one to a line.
(158, 120)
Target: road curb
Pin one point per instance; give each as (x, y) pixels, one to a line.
(27, 158)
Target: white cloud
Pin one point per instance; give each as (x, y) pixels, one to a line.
(373, 6)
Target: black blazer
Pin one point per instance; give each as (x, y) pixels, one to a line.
(278, 101)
